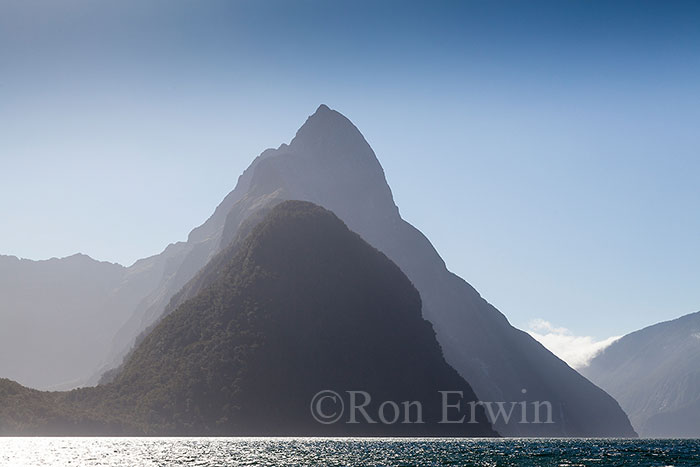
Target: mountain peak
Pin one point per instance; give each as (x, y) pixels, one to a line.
(323, 108)
(326, 131)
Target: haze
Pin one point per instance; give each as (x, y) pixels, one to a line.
(549, 151)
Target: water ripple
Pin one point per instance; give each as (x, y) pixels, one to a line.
(117, 452)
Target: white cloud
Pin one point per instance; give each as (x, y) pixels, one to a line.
(577, 351)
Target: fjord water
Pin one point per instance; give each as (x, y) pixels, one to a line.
(348, 451)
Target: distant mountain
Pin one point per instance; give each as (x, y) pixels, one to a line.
(654, 374)
(58, 316)
(301, 305)
(65, 321)
(329, 163)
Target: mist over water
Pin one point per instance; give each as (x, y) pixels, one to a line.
(350, 451)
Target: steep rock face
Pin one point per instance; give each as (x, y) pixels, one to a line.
(329, 163)
(654, 373)
(301, 305)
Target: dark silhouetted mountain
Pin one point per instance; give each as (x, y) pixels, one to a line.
(300, 305)
(329, 163)
(654, 374)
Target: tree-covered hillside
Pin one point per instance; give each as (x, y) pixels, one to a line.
(301, 305)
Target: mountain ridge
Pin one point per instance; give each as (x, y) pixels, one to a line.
(664, 362)
(498, 360)
(329, 163)
(247, 353)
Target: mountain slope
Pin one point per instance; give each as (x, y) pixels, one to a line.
(300, 306)
(329, 163)
(172, 269)
(64, 322)
(655, 375)
(58, 316)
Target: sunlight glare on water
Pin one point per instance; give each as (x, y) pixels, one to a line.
(130, 452)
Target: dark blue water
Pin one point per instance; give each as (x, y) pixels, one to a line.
(345, 452)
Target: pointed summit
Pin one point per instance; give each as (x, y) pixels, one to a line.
(323, 111)
(330, 164)
(327, 131)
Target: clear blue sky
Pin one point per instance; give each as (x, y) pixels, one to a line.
(550, 150)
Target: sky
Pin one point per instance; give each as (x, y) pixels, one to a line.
(549, 150)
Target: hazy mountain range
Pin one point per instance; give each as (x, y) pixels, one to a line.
(654, 373)
(58, 317)
(329, 163)
(299, 305)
